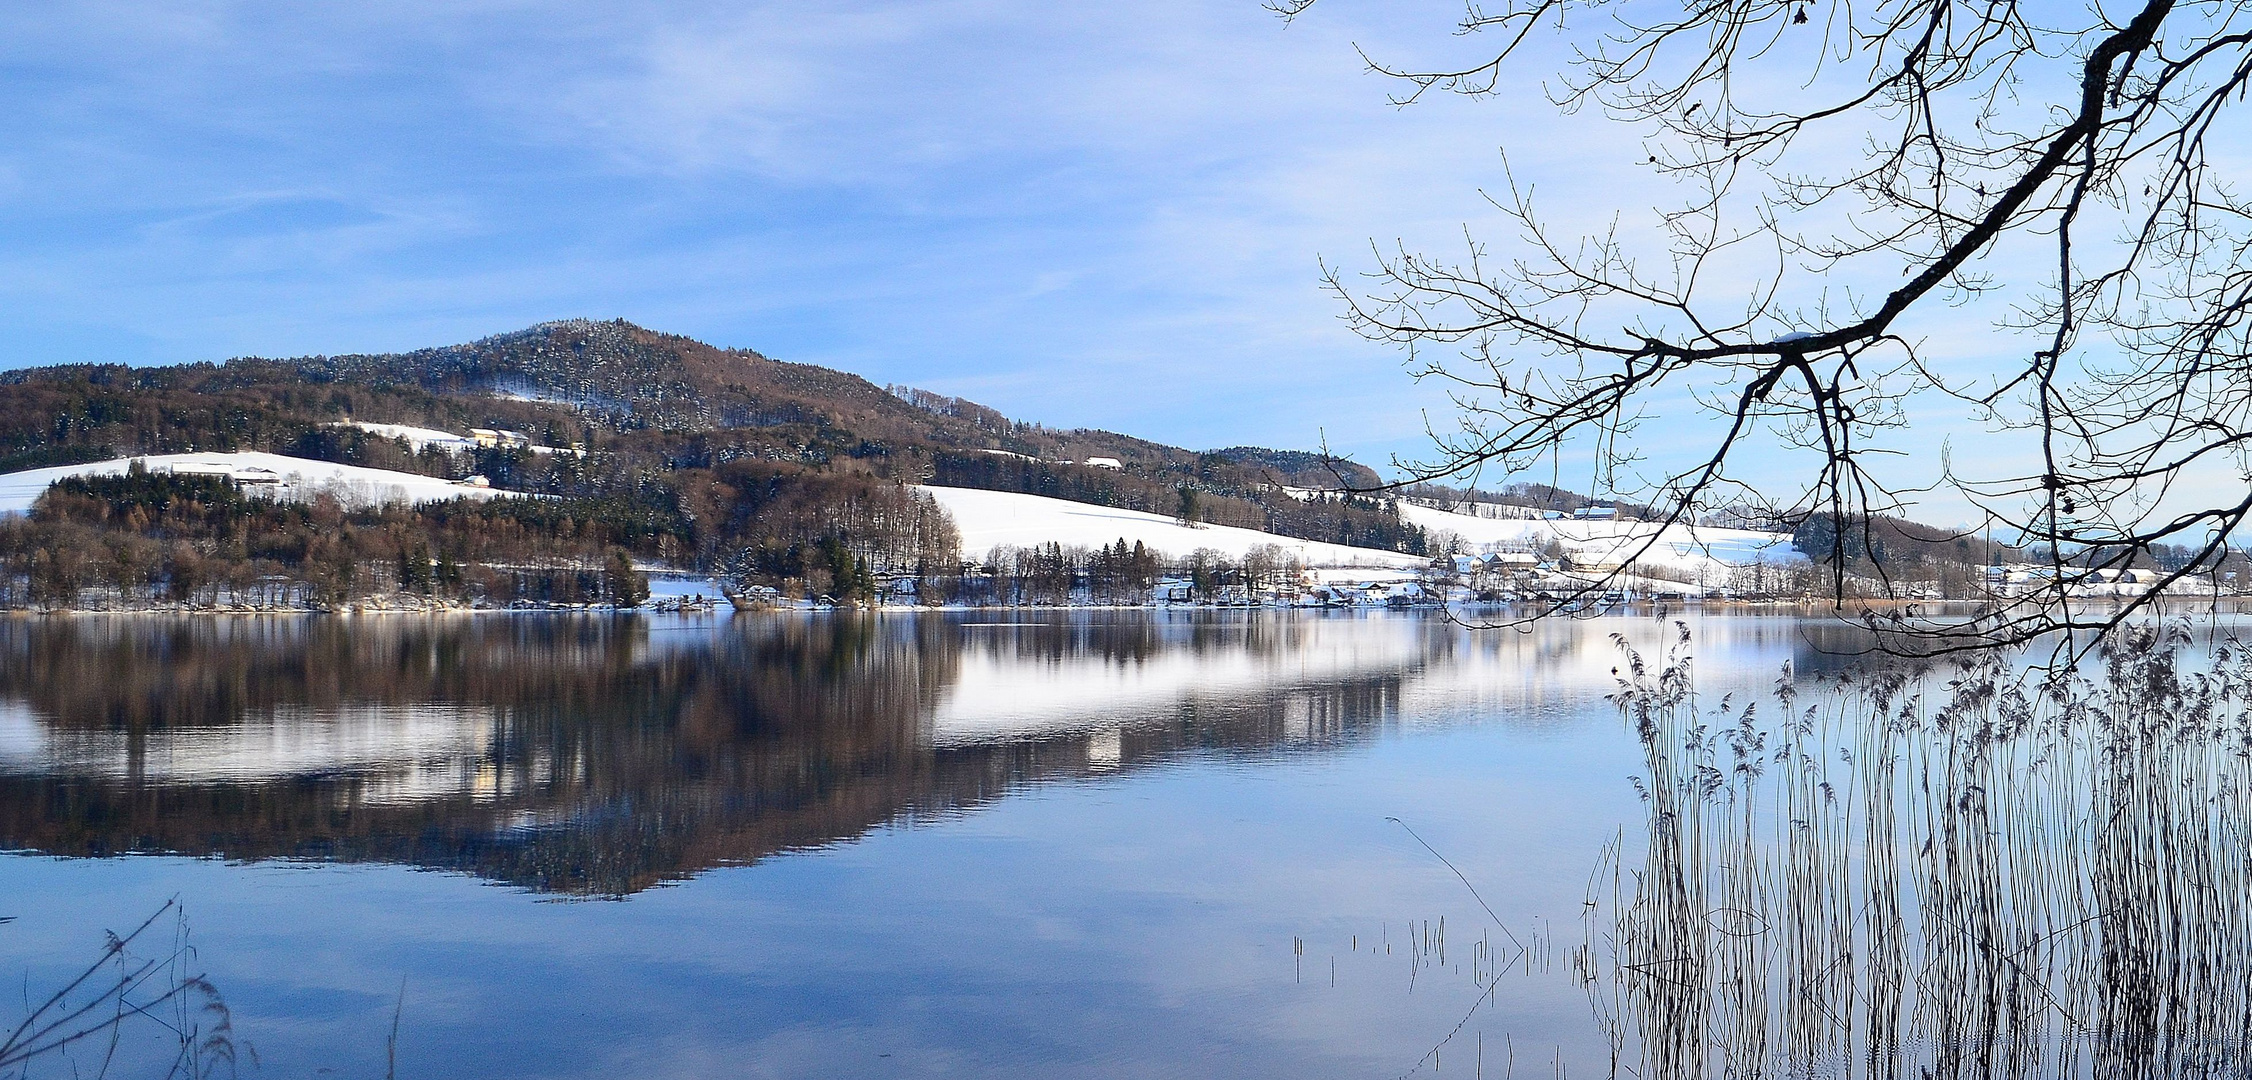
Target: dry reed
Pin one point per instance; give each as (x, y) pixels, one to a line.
(1984, 870)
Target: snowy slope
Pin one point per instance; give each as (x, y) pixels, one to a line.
(1688, 548)
(990, 519)
(298, 479)
(417, 437)
(422, 438)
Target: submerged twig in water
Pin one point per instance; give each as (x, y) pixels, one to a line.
(119, 987)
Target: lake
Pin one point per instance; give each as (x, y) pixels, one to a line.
(965, 844)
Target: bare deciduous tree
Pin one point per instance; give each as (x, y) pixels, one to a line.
(1849, 174)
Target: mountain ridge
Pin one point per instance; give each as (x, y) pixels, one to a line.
(637, 378)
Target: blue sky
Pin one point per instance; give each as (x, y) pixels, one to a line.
(1100, 215)
(1082, 214)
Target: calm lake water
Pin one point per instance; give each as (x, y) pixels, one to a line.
(1025, 844)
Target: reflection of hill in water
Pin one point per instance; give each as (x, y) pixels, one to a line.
(602, 756)
(574, 755)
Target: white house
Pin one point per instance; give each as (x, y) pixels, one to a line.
(491, 437)
(249, 476)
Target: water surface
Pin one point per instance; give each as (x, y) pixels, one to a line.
(1027, 844)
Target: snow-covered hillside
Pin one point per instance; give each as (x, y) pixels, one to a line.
(420, 438)
(990, 519)
(1687, 548)
(286, 478)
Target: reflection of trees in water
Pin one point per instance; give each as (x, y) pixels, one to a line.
(1950, 875)
(599, 755)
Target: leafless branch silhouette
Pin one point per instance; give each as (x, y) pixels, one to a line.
(2060, 171)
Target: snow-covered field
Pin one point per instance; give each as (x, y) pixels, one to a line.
(1688, 548)
(417, 437)
(422, 438)
(990, 519)
(287, 478)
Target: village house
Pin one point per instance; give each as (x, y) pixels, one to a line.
(494, 438)
(250, 477)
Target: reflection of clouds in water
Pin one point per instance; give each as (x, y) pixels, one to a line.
(404, 752)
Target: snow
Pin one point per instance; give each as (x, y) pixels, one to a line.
(298, 479)
(1691, 548)
(1362, 576)
(418, 437)
(1511, 511)
(422, 438)
(665, 584)
(990, 519)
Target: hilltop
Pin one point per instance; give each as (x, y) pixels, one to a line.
(625, 378)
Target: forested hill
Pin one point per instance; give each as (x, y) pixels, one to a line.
(622, 377)
(711, 458)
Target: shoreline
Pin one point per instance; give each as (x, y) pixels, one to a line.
(2229, 605)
